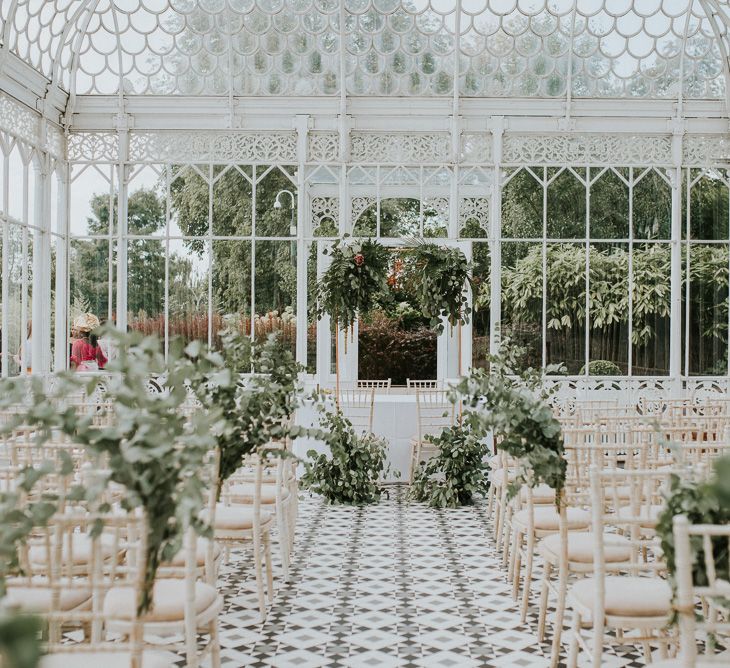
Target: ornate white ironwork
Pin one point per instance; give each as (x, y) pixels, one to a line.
(325, 208)
(358, 206)
(401, 148)
(476, 147)
(323, 147)
(18, 120)
(243, 147)
(706, 150)
(93, 147)
(474, 208)
(647, 394)
(580, 149)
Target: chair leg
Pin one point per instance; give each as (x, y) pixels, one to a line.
(527, 584)
(490, 499)
(544, 590)
(559, 616)
(516, 563)
(283, 528)
(269, 571)
(259, 569)
(573, 652)
(215, 644)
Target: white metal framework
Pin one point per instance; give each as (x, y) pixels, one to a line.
(350, 104)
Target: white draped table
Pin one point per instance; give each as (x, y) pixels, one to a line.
(394, 418)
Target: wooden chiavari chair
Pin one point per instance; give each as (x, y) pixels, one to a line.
(358, 406)
(434, 413)
(627, 595)
(412, 384)
(704, 622)
(380, 386)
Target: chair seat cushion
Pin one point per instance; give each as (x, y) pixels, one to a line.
(648, 515)
(627, 596)
(81, 546)
(497, 476)
(244, 493)
(580, 547)
(541, 494)
(38, 599)
(236, 518)
(168, 597)
(150, 659)
(201, 550)
(548, 519)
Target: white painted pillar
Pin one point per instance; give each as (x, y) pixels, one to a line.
(497, 126)
(675, 342)
(62, 275)
(301, 125)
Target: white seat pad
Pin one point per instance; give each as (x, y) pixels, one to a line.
(81, 546)
(201, 549)
(236, 518)
(541, 494)
(38, 599)
(548, 519)
(627, 596)
(169, 601)
(648, 515)
(245, 491)
(109, 659)
(580, 547)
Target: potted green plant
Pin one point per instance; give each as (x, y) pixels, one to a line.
(457, 473)
(351, 472)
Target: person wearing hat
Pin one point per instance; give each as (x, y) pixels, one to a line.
(86, 353)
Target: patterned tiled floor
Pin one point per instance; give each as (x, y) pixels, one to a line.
(395, 584)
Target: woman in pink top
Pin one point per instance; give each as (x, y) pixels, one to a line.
(86, 353)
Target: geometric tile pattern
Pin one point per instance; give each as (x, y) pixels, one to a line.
(394, 584)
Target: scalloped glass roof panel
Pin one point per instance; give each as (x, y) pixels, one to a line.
(490, 48)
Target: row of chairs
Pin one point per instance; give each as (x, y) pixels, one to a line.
(82, 569)
(600, 533)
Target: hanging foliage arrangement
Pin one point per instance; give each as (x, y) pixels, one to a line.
(353, 281)
(438, 277)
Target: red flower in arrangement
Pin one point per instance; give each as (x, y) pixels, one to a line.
(359, 259)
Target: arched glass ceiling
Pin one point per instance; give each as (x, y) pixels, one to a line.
(506, 48)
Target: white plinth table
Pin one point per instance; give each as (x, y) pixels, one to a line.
(394, 418)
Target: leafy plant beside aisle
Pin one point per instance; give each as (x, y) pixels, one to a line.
(514, 409)
(458, 473)
(352, 471)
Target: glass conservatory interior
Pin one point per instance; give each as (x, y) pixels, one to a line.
(173, 165)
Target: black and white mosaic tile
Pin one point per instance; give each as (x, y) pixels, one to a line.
(395, 584)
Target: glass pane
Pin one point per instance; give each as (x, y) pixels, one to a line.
(189, 201)
(609, 309)
(566, 206)
(14, 308)
(91, 200)
(90, 281)
(276, 290)
(401, 216)
(232, 201)
(146, 285)
(566, 306)
(146, 203)
(231, 286)
(365, 217)
(708, 208)
(312, 308)
(276, 203)
(188, 291)
(652, 207)
(481, 300)
(609, 212)
(522, 292)
(651, 304)
(522, 206)
(436, 217)
(708, 309)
